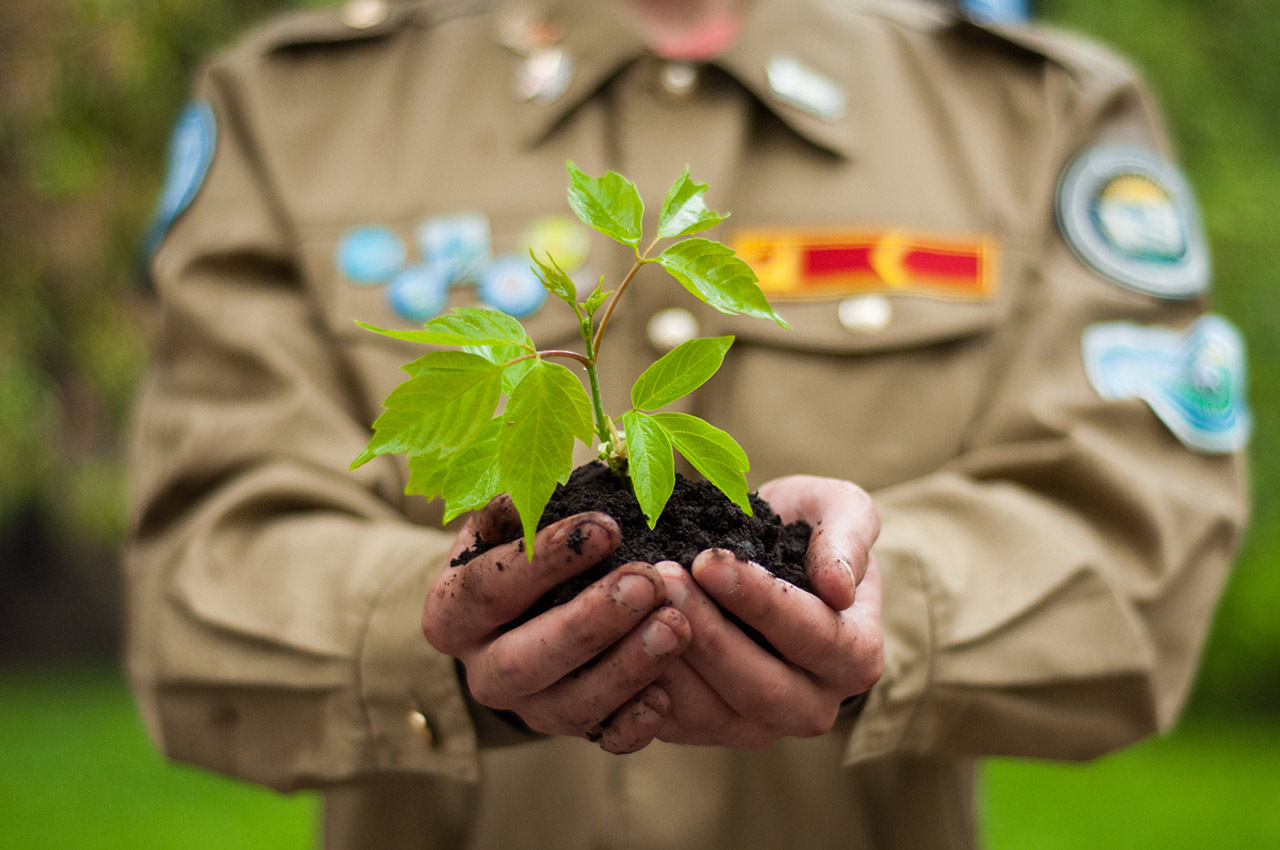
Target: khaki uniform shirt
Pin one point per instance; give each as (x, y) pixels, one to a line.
(1050, 558)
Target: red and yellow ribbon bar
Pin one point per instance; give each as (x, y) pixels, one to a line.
(827, 264)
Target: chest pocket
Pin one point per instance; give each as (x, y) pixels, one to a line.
(377, 274)
(875, 388)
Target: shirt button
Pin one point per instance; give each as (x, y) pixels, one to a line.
(865, 314)
(362, 14)
(679, 78)
(668, 328)
(418, 723)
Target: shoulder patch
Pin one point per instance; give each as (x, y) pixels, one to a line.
(1131, 216)
(191, 151)
(1194, 380)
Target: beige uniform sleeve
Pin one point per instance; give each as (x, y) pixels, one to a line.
(1048, 592)
(274, 597)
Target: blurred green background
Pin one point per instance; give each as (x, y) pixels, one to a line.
(88, 91)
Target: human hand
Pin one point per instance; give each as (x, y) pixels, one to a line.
(725, 689)
(537, 668)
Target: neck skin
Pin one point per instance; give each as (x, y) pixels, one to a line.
(686, 29)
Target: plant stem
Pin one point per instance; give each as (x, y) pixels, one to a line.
(641, 259)
(555, 352)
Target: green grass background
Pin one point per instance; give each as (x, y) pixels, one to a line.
(88, 91)
(78, 772)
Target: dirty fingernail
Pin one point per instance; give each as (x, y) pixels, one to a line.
(635, 592)
(717, 575)
(659, 639)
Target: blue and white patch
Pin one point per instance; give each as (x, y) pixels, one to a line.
(191, 148)
(418, 293)
(458, 245)
(371, 255)
(998, 11)
(1132, 217)
(1194, 380)
(509, 285)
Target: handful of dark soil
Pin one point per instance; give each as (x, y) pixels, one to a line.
(697, 517)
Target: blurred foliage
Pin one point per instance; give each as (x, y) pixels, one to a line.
(88, 92)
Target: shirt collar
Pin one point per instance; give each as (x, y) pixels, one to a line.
(810, 44)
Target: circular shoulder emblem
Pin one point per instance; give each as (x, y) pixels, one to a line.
(1131, 216)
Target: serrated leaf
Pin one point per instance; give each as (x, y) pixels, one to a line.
(556, 281)
(463, 326)
(535, 450)
(473, 479)
(679, 372)
(426, 475)
(712, 452)
(440, 409)
(650, 463)
(610, 204)
(714, 274)
(684, 211)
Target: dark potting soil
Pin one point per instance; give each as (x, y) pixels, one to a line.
(698, 517)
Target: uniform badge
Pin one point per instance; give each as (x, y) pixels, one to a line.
(511, 286)
(371, 255)
(563, 238)
(795, 83)
(1131, 217)
(418, 293)
(998, 11)
(458, 245)
(190, 154)
(1194, 380)
(827, 264)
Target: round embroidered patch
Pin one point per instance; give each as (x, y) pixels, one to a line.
(371, 255)
(418, 293)
(190, 154)
(1132, 217)
(511, 286)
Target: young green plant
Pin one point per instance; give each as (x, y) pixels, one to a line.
(463, 446)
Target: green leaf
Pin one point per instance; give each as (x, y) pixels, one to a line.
(713, 273)
(473, 479)
(684, 211)
(596, 299)
(650, 463)
(464, 326)
(439, 410)
(426, 475)
(610, 204)
(535, 451)
(556, 280)
(679, 372)
(712, 452)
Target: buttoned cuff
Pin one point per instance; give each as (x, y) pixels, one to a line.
(416, 706)
(892, 705)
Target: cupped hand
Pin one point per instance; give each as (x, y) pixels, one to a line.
(726, 689)
(585, 668)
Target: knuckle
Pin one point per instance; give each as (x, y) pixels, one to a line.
(508, 673)
(816, 723)
(770, 704)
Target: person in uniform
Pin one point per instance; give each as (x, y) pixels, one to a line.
(1002, 398)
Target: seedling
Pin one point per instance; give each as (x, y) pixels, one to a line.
(446, 416)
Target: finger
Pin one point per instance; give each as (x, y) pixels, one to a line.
(499, 521)
(470, 602)
(465, 540)
(633, 726)
(539, 653)
(845, 525)
(757, 685)
(699, 716)
(580, 703)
